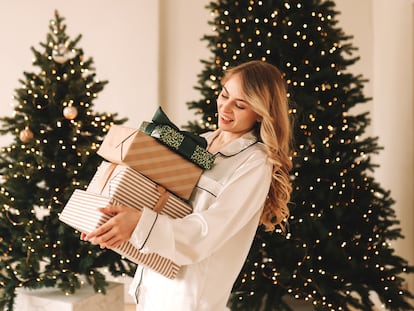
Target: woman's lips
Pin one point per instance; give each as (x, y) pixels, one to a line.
(225, 119)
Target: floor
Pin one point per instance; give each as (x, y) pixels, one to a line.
(129, 307)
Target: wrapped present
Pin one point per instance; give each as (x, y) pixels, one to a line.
(145, 154)
(133, 189)
(190, 146)
(81, 212)
(116, 184)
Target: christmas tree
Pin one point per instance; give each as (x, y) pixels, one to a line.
(56, 135)
(337, 251)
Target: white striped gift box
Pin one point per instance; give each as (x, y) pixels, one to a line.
(143, 153)
(81, 212)
(118, 184)
(133, 189)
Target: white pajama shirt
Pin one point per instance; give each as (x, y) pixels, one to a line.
(210, 244)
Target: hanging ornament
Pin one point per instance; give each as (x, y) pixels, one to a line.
(70, 112)
(61, 54)
(26, 135)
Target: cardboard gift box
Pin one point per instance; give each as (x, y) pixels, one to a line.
(145, 154)
(116, 184)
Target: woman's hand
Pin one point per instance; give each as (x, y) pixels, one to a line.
(116, 230)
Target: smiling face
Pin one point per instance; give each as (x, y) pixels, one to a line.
(235, 114)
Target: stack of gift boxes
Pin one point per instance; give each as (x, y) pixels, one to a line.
(156, 166)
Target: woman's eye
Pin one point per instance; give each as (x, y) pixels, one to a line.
(240, 106)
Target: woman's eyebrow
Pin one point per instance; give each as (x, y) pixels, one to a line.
(238, 99)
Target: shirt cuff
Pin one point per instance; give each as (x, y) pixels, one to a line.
(143, 229)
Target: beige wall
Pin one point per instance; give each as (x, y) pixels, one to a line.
(393, 110)
(183, 23)
(121, 36)
(150, 52)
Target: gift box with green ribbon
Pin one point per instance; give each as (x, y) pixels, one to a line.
(147, 155)
(188, 145)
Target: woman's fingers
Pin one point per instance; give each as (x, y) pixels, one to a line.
(117, 229)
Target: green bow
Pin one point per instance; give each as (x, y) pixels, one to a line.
(189, 145)
(160, 118)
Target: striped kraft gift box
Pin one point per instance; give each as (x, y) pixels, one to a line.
(143, 153)
(117, 184)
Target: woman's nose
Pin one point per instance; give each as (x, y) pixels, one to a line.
(226, 105)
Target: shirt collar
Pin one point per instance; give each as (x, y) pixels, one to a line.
(236, 146)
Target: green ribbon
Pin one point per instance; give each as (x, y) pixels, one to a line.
(160, 118)
(189, 145)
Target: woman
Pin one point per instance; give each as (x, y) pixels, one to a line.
(249, 184)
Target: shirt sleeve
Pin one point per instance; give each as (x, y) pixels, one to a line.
(192, 238)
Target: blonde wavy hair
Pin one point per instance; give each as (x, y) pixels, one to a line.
(265, 90)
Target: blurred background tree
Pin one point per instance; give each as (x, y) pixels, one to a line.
(56, 133)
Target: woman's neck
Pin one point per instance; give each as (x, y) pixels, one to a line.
(220, 140)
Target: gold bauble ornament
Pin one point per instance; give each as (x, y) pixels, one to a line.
(26, 135)
(70, 112)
